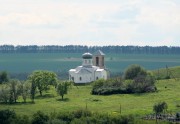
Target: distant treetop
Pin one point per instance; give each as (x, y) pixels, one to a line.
(92, 49)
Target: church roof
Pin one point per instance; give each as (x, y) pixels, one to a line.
(99, 52)
(83, 71)
(100, 70)
(87, 56)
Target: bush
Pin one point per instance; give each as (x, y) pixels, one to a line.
(107, 87)
(7, 116)
(133, 71)
(81, 113)
(40, 118)
(65, 116)
(22, 120)
(140, 84)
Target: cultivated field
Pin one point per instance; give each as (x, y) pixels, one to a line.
(62, 62)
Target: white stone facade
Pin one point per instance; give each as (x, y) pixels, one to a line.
(87, 72)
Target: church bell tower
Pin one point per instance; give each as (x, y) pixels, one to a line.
(98, 59)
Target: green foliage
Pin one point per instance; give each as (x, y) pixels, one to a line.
(10, 91)
(41, 80)
(4, 77)
(15, 90)
(140, 84)
(22, 119)
(107, 87)
(4, 93)
(65, 116)
(40, 118)
(25, 89)
(62, 88)
(81, 113)
(139, 104)
(159, 108)
(134, 71)
(81, 116)
(7, 116)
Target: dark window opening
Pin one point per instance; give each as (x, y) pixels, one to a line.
(72, 78)
(97, 78)
(102, 61)
(97, 61)
(80, 78)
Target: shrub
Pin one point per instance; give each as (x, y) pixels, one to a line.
(81, 113)
(7, 116)
(40, 118)
(107, 87)
(65, 116)
(140, 84)
(133, 71)
(178, 116)
(22, 120)
(56, 121)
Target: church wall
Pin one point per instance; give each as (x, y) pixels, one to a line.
(82, 78)
(101, 75)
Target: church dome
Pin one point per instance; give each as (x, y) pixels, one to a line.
(87, 56)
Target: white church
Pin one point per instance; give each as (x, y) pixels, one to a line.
(92, 69)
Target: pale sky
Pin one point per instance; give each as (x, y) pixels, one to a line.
(90, 22)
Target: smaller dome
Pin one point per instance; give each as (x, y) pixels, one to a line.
(87, 56)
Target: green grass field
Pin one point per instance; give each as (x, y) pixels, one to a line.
(62, 62)
(173, 72)
(78, 97)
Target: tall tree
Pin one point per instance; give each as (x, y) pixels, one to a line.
(4, 93)
(133, 71)
(14, 90)
(42, 79)
(62, 88)
(4, 77)
(25, 89)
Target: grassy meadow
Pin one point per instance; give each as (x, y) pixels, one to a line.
(79, 97)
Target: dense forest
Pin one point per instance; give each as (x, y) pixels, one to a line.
(81, 49)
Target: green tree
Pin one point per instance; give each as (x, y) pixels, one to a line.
(33, 91)
(4, 93)
(14, 90)
(133, 71)
(4, 77)
(41, 80)
(143, 84)
(25, 89)
(62, 88)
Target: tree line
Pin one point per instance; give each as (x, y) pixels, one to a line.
(81, 49)
(12, 89)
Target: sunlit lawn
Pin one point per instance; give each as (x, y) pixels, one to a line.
(80, 97)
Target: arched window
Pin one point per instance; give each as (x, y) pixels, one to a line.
(97, 78)
(80, 78)
(72, 78)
